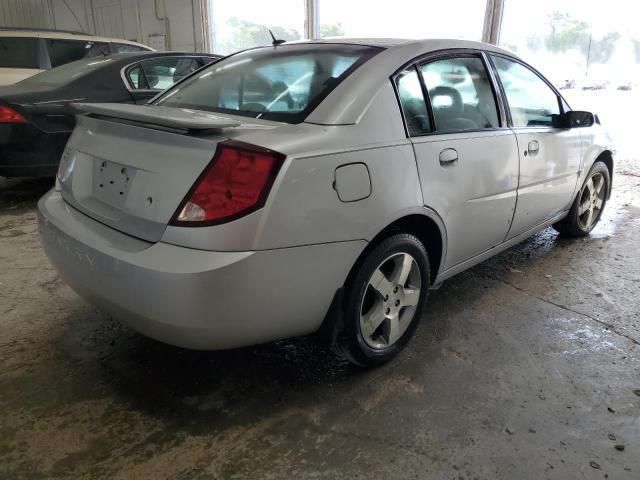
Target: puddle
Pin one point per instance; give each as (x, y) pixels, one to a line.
(581, 338)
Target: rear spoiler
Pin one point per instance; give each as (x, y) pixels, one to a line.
(169, 117)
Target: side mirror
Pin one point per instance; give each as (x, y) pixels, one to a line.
(573, 119)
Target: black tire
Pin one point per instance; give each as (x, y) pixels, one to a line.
(350, 341)
(574, 224)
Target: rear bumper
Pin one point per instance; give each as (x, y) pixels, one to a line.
(27, 152)
(194, 298)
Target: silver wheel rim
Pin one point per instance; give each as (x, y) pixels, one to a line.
(390, 300)
(591, 201)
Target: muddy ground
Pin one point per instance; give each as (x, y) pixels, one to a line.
(523, 368)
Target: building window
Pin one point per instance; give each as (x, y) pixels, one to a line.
(241, 24)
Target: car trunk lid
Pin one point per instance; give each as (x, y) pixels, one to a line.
(131, 177)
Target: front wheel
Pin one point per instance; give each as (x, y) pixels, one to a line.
(587, 208)
(384, 298)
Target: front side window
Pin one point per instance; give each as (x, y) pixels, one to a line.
(460, 93)
(160, 73)
(65, 51)
(414, 107)
(19, 52)
(531, 101)
(282, 84)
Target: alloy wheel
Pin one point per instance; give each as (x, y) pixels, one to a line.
(390, 300)
(591, 201)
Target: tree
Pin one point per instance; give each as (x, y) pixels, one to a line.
(334, 30)
(567, 33)
(602, 49)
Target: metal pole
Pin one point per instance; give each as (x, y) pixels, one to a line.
(492, 21)
(586, 73)
(311, 24)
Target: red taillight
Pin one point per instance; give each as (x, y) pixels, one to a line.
(236, 183)
(9, 115)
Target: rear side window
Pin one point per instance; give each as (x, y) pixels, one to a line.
(411, 98)
(531, 101)
(65, 51)
(460, 93)
(19, 52)
(160, 73)
(284, 84)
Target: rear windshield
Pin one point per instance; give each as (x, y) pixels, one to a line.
(19, 52)
(68, 72)
(284, 83)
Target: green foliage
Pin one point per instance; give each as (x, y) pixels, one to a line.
(334, 30)
(602, 49)
(567, 33)
(247, 34)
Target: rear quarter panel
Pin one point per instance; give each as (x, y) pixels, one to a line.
(303, 207)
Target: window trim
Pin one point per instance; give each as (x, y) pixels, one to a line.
(445, 54)
(124, 71)
(394, 83)
(559, 98)
(114, 43)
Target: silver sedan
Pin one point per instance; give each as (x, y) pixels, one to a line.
(317, 186)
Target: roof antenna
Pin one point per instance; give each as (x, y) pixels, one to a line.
(276, 41)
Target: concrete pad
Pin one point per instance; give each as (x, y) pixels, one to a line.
(523, 368)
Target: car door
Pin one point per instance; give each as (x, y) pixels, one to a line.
(467, 157)
(549, 157)
(147, 78)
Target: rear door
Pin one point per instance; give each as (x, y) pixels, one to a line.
(467, 158)
(549, 157)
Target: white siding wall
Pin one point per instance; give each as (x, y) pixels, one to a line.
(25, 14)
(129, 19)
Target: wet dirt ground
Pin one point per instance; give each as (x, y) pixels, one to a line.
(523, 368)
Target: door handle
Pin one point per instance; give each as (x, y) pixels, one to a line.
(533, 148)
(448, 157)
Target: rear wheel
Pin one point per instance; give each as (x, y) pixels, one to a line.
(384, 298)
(587, 208)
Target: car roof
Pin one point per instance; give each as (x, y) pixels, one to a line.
(62, 34)
(426, 44)
(350, 99)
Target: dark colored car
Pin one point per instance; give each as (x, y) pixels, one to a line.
(36, 117)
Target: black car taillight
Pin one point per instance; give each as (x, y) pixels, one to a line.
(9, 115)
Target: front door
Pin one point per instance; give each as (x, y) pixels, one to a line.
(549, 157)
(467, 160)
